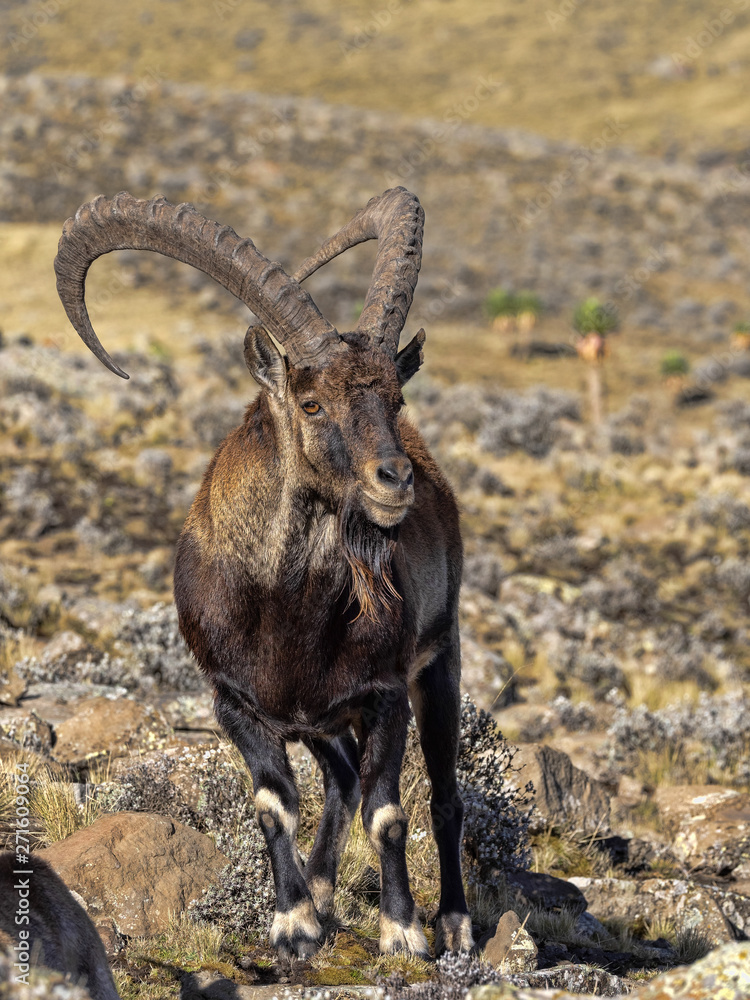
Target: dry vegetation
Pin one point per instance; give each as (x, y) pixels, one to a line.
(607, 578)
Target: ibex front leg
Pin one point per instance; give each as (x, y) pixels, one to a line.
(383, 741)
(296, 931)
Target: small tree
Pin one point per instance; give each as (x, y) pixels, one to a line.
(500, 306)
(674, 367)
(741, 337)
(594, 321)
(528, 308)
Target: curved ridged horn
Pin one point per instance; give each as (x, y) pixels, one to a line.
(396, 221)
(127, 223)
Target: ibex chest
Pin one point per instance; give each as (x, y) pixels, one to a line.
(314, 659)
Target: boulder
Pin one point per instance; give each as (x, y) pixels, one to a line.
(107, 726)
(26, 728)
(677, 803)
(137, 869)
(12, 686)
(687, 905)
(723, 973)
(546, 891)
(203, 785)
(741, 879)
(511, 947)
(564, 796)
(710, 825)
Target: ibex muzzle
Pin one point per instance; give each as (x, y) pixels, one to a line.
(317, 574)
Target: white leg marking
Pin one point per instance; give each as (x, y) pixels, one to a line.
(322, 894)
(384, 818)
(301, 920)
(268, 802)
(402, 937)
(453, 933)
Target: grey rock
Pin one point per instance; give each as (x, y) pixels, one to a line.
(564, 796)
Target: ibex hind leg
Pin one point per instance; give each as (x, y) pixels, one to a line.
(338, 760)
(296, 930)
(435, 696)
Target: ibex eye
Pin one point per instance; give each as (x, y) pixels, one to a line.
(311, 407)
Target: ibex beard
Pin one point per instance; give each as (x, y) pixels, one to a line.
(317, 575)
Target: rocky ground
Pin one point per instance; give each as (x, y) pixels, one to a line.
(607, 577)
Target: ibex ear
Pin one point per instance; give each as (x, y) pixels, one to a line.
(264, 361)
(409, 360)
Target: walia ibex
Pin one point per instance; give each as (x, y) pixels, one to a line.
(317, 574)
(43, 924)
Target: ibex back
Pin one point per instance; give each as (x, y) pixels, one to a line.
(317, 575)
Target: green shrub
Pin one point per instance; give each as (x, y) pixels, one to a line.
(674, 363)
(528, 302)
(500, 302)
(592, 316)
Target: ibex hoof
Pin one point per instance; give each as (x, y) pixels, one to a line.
(453, 933)
(297, 933)
(395, 937)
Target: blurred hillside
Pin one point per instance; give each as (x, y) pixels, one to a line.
(561, 62)
(562, 149)
(665, 242)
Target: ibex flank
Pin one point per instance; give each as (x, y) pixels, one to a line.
(317, 575)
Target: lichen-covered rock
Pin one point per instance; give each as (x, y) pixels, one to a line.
(687, 905)
(12, 686)
(27, 729)
(677, 803)
(710, 825)
(511, 947)
(546, 891)
(724, 974)
(106, 726)
(137, 868)
(564, 796)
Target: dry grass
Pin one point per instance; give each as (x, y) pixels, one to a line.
(692, 944)
(9, 770)
(190, 944)
(413, 969)
(161, 962)
(565, 855)
(53, 804)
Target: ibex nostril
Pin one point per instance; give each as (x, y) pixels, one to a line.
(396, 473)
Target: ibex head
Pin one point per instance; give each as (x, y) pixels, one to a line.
(334, 397)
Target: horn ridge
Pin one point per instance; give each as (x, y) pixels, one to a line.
(179, 231)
